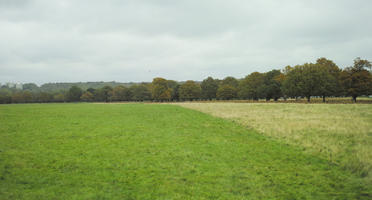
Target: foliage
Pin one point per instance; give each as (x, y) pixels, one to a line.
(226, 92)
(160, 90)
(230, 81)
(74, 94)
(209, 88)
(190, 91)
(121, 93)
(140, 92)
(251, 87)
(357, 80)
(87, 96)
(321, 79)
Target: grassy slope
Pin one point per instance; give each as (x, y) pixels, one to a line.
(136, 151)
(340, 133)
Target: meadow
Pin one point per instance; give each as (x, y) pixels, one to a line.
(340, 133)
(158, 151)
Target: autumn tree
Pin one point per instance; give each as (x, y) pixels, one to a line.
(190, 91)
(357, 80)
(160, 90)
(209, 88)
(87, 96)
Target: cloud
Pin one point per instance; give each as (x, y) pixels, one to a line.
(136, 40)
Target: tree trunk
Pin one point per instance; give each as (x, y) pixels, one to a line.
(354, 99)
(308, 99)
(323, 98)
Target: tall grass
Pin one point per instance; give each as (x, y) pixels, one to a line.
(341, 133)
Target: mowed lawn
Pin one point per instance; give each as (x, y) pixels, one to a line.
(152, 151)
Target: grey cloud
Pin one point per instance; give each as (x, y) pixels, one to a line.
(136, 40)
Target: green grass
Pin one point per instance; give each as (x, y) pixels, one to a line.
(340, 133)
(151, 151)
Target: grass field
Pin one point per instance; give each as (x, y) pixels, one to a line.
(152, 151)
(340, 133)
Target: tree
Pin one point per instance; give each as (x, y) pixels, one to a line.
(17, 97)
(87, 96)
(121, 93)
(160, 90)
(357, 80)
(271, 85)
(74, 94)
(174, 86)
(226, 92)
(209, 88)
(45, 97)
(59, 97)
(190, 91)
(251, 87)
(329, 72)
(140, 92)
(31, 87)
(303, 80)
(103, 94)
(230, 81)
(27, 96)
(5, 95)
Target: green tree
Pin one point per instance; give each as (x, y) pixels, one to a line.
(209, 88)
(174, 86)
(251, 87)
(140, 92)
(304, 80)
(190, 91)
(103, 94)
(226, 92)
(74, 94)
(230, 81)
(17, 97)
(27, 96)
(271, 85)
(160, 90)
(121, 93)
(329, 72)
(357, 80)
(31, 87)
(60, 97)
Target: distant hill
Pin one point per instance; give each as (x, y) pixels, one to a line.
(56, 87)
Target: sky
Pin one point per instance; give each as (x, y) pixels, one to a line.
(45, 41)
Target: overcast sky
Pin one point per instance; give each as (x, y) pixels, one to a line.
(136, 40)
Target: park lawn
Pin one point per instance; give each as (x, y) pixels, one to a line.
(340, 133)
(152, 151)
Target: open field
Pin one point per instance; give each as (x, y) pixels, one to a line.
(139, 151)
(340, 133)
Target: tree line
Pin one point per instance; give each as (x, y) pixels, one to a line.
(320, 79)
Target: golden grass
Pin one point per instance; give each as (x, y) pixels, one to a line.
(341, 133)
